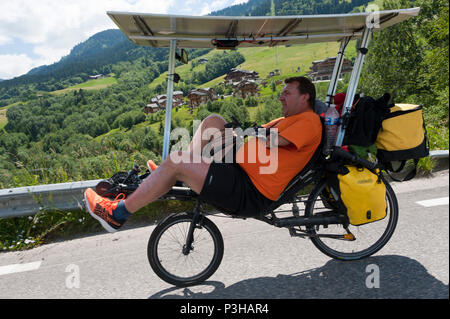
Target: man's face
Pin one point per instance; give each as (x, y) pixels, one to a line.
(292, 101)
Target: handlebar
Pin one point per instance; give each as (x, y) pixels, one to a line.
(337, 151)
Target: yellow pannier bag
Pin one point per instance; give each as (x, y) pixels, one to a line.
(403, 134)
(402, 137)
(364, 195)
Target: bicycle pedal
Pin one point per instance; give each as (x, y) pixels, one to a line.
(349, 237)
(294, 233)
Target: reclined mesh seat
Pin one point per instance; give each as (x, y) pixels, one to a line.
(311, 171)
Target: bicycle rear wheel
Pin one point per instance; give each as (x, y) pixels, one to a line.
(170, 261)
(370, 237)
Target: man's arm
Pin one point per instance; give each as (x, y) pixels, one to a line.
(279, 141)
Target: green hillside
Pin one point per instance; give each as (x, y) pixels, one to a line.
(266, 59)
(286, 59)
(89, 85)
(183, 70)
(3, 119)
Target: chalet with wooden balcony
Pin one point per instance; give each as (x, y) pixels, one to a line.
(323, 69)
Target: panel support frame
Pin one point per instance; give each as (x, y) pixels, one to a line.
(169, 101)
(354, 80)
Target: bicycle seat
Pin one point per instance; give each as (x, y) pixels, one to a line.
(181, 193)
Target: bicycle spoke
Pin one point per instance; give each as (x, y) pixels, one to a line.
(170, 250)
(370, 237)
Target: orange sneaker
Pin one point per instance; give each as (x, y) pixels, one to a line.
(102, 209)
(151, 165)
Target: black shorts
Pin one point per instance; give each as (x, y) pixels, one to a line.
(229, 189)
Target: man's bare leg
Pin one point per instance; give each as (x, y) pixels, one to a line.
(212, 121)
(171, 170)
(197, 144)
(162, 179)
(178, 166)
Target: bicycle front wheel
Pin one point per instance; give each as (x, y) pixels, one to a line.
(370, 238)
(170, 260)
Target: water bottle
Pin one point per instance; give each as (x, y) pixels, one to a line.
(331, 128)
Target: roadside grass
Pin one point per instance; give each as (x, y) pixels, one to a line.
(438, 138)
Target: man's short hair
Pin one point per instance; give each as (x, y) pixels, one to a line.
(304, 86)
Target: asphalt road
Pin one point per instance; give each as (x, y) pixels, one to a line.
(260, 261)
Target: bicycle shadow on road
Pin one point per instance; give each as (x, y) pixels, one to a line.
(390, 276)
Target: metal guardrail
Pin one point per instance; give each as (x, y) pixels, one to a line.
(29, 200)
(439, 154)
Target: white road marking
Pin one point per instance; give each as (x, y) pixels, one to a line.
(11, 269)
(434, 202)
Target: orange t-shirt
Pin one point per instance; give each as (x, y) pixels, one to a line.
(271, 169)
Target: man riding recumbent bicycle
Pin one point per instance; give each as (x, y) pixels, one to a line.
(266, 172)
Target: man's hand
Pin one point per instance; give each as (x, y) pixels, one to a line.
(275, 140)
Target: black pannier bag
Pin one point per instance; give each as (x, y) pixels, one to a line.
(365, 120)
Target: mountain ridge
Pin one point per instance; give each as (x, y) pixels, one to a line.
(94, 45)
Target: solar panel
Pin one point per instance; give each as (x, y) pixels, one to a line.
(218, 31)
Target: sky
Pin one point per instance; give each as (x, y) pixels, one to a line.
(35, 33)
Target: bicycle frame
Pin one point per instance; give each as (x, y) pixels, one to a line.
(286, 222)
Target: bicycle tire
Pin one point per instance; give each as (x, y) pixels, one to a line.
(154, 250)
(323, 244)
